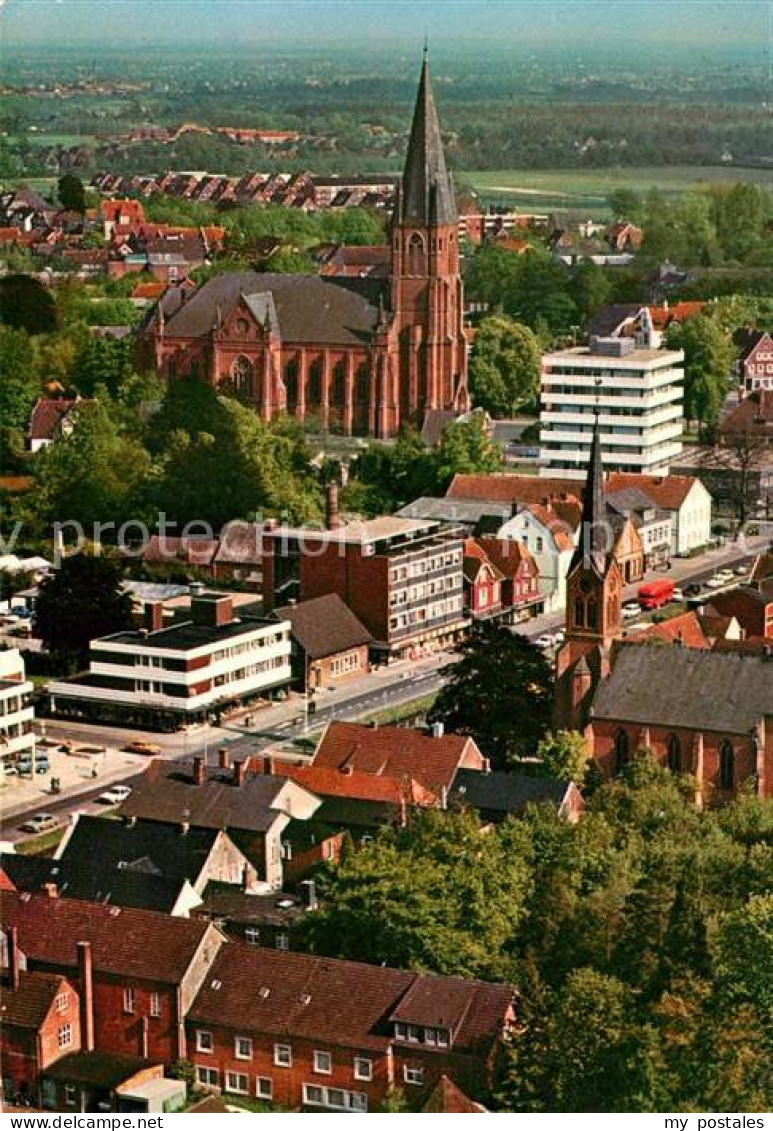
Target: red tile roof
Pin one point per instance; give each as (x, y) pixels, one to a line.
(29, 1005)
(325, 781)
(507, 488)
(668, 491)
(508, 555)
(193, 550)
(111, 210)
(397, 751)
(449, 1099)
(148, 290)
(554, 523)
(47, 417)
(303, 996)
(684, 629)
(131, 943)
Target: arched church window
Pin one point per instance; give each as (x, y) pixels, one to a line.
(622, 750)
(363, 385)
(674, 754)
(579, 612)
(415, 254)
(291, 383)
(242, 377)
(592, 613)
(314, 387)
(726, 764)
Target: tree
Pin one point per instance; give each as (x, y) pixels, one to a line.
(590, 287)
(744, 956)
(464, 449)
(504, 366)
(625, 204)
(564, 756)
(79, 601)
(500, 692)
(708, 358)
(26, 304)
(71, 193)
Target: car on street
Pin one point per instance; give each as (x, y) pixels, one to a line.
(42, 764)
(40, 823)
(716, 582)
(140, 746)
(545, 641)
(693, 590)
(631, 609)
(559, 637)
(740, 570)
(116, 795)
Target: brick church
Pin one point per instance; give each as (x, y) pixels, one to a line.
(700, 712)
(360, 355)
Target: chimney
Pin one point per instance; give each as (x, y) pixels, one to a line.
(309, 894)
(240, 771)
(51, 890)
(268, 765)
(185, 828)
(199, 770)
(332, 517)
(14, 958)
(86, 987)
(223, 758)
(154, 616)
(437, 730)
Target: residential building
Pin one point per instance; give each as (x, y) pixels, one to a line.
(103, 1081)
(254, 809)
(360, 354)
(165, 676)
(431, 758)
(329, 644)
(497, 794)
(652, 526)
(549, 540)
(482, 582)
(635, 390)
(137, 972)
(17, 714)
(683, 498)
(520, 586)
(755, 362)
(751, 605)
(325, 1035)
(752, 421)
(401, 578)
(52, 418)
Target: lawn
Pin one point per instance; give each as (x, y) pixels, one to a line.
(588, 189)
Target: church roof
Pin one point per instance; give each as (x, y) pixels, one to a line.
(303, 308)
(592, 546)
(427, 196)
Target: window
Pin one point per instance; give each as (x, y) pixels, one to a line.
(413, 1075)
(674, 754)
(64, 1036)
(155, 1005)
(338, 1098)
(363, 1068)
(70, 1095)
(579, 612)
(62, 1001)
(203, 1040)
(128, 1000)
(252, 935)
(283, 1056)
(209, 1076)
(726, 764)
(237, 1082)
(243, 1048)
(323, 1062)
(264, 1087)
(312, 1094)
(622, 750)
(282, 941)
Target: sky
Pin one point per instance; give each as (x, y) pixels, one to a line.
(309, 23)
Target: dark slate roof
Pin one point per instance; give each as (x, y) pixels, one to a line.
(168, 792)
(592, 547)
(466, 512)
(354, 813)
(609, 319)
(324, 626)
(426, 196)
(505, 792)
(308, 308)
(98, 1069)
(28, 1006)
(229, 901)
(144, 864)
(27, 873)
(687, 687)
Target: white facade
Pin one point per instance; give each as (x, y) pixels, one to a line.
(16, 712)
(552, 551)
(637, 393)
(691, 521)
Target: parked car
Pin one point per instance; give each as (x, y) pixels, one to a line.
(559, 637)
(42, 764)
(40, 823)
(545, 641)
(741, 570)
(116, 795)
(631, 609)
(716, 582)
(140, 746)
(693, 590)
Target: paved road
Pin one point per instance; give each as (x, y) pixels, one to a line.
(285, 722)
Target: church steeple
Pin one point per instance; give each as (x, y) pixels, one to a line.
(427, 197)
(592, 547)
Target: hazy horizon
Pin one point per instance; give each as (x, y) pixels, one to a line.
(590, 26)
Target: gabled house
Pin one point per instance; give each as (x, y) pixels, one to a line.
(520, 575)
(550, 542)
(329, 643)
(52, 418)
(482, 582)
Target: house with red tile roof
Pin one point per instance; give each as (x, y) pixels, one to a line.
(685, 629)
(482, 582)
(321, 1034)
(52, 418)
(549, 539)
(121, 214)
(520, 575)
(137, 971)
(430, 759)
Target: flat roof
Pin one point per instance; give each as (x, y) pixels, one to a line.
(360, 533)
(641, 356)
(188, 635)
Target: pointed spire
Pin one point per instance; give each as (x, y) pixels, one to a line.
(427, 197)
(592, 548)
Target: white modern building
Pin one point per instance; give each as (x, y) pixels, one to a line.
(16, 712)
(637, 391)
(164, 676)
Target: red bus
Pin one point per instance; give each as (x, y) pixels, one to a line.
(655, 594)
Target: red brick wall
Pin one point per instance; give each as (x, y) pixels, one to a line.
(24, 1053)
(118, 1031)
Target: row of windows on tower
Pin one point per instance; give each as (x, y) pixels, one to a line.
(675, 757)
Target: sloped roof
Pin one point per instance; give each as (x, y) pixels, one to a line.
(125, 941)
(47, 416)
(325, 782)
(302, 996)
(684, 629)
(28, 1006)
(240, 544)
(510, 488)
(506, 792)
(667, 491)
(426, 194)
(324, 626)
(395, 751)
(508, 555)
(687, 687)
(170, 548)
(449, 1099)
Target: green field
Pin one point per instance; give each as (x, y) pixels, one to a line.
(587, 190)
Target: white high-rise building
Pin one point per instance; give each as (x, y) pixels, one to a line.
(637, 391)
